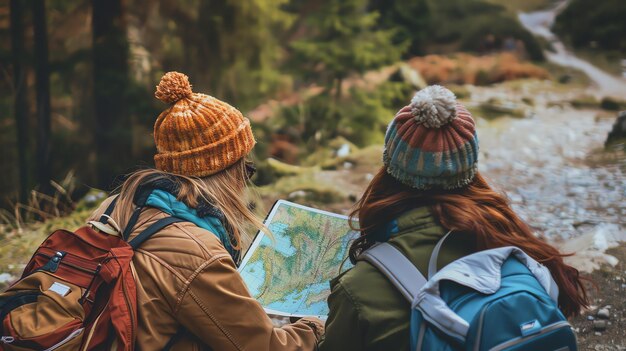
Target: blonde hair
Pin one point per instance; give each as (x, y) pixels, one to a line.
(226, 190)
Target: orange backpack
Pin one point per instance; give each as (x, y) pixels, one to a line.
(77, 292)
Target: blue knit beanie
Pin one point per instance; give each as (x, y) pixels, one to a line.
(432, 142)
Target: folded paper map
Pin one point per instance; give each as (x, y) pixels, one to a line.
(289, 274)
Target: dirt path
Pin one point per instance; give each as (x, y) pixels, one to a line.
(540, 23)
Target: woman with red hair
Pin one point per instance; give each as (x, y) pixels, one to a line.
(429, 186)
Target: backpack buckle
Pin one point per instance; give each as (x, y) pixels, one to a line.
(7, 339)
(53, 263)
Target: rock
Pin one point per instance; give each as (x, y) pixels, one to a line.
(599, 325)
(603, 313)
(611, 104)
(296, 194)
(590, 318)
(496, 107)
(284, 169)
(408, 75)
(343, 151)
(283, 149)
(618, 132)
(6, 277)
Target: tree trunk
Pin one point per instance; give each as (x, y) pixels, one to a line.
(19, 87)
(113, 134)
(42, 75)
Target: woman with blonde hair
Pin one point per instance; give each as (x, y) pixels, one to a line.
(189, 293)
(429, 186)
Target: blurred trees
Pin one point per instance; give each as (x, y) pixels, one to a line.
(602, 25)
(19, 91)
(229, 48)
(97, 62)
(476, 26)
(42, 76)
(112, 131)
(343, 39)
(410, 19)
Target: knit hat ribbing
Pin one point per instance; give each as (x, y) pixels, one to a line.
(432, 142)
(198, 135)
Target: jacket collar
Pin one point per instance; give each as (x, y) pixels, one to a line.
(410, 221)
(163, 195)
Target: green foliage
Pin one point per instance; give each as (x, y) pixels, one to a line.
(230, 48)
(601, 22)
(410, 19)
(471, 22)
(523, 6)
(585, 101)
(365, 120)
(343, 39)
(460, 91)
(244, 52)
(361, 116)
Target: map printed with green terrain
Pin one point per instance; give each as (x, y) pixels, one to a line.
(289, 275)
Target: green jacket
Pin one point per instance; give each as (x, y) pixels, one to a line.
(366, 311)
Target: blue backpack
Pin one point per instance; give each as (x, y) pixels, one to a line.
(496, 300)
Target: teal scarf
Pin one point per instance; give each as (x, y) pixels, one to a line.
(168, 203)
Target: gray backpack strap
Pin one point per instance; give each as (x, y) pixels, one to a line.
(396, 267)
(432, 264)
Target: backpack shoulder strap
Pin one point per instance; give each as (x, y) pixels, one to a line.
(140, 198)
(153, 229)
(175, 338)
(432, 264)
(104, 218)
(401, 272)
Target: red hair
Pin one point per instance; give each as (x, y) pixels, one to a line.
(473, 210)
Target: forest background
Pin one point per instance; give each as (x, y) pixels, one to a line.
(78, 76)
(320, 80)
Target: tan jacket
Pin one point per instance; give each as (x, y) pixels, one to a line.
(187, 278)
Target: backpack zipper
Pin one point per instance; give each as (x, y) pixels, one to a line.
(65, 262)
(93, 279)
(53, 262)
(48, 248)
(7, 339)
(479, 332)
(482, 317)
(547, 329)
(420, 337)
(66, 340)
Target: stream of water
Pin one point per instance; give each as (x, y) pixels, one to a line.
(546, 164)
(540, 23)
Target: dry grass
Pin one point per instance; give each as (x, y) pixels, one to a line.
(515, 6)
(24, 228)
(477, 70)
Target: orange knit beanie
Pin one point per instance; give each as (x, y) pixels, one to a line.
(198, 135)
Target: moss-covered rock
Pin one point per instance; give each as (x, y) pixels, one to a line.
(618, 132)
